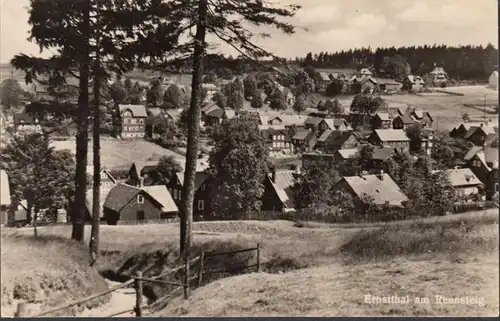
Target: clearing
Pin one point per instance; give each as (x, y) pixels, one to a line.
(324, 270)
(116, 153)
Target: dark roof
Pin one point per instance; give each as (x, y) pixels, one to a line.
(199, 179)
(406, 119)
(216, 112)
(302, 135)
(337, 138)
(382, 153)
(313, 121)
(119, 196)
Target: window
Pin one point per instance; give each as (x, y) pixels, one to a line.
(175, 194)
(141, 121)
(476, 163)
(140, 199)
(103, 175)
(201, 205)
(202, 187)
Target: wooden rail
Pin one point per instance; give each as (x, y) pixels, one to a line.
(138, 282)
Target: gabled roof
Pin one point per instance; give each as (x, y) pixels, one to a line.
(387, 135)
(314, 121)
(325, 135)
(381, 190)
(5, 199)
(229, 113)
(438, 70)
(161, 195)
(290, 120)
(337, 138)
(209, 106)
(284, 182)
(199, 179)
(155, 112)
(383, 116)
(136, 110)
(173, 114)
(264, 119)
(472, 152)
(90, 171)
(348, 153)
(406, 119)
(324, 76)
(119, 196)
(89, 200)
(302, 135)
(462, 177)
(394, 112)
(140, 166)
(413, 79)
(215, 112)
(335, 123)
(365, 71)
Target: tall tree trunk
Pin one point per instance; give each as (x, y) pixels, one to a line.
(78, 211)
(193, 131)
(96, 202)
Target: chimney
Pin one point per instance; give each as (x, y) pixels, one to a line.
(141, 182)
(381, 175)
(482, 124)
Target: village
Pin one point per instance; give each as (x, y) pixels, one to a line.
(318, 130)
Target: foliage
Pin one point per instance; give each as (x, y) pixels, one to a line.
(367, 104)
(414, 133)
(334, 88)
(334, 108)
(210, 77)
(172, 98)
(304, 84)
(395, 66)
(220, 99)
(313, 188)
(465, 117)
(164, 172)
(257, 101)
(250, 86)
(238, 164)
(278, 101)
(118, 92)
(154, 93)
(38, 174)
(235, 95)
(300, 104)
(321, 106)
(172, 136)
(10, 93)
(447, 150)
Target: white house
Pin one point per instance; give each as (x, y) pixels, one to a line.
(493, 80)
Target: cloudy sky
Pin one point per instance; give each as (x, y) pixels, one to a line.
(333, 25)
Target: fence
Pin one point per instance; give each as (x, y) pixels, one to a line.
(139, 280)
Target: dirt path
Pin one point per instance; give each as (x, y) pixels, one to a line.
(121, 300)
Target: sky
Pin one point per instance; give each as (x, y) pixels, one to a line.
(331, 26)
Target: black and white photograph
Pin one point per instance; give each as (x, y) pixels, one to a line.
(249, 158)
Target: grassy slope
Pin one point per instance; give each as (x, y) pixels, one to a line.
(50, 269)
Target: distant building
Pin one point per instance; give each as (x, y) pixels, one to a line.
(278, 195)
(465, 183)
(202, 205)
(413, 83)
(393, 138)
(278, 140)
(493, 80)
(439, 75)
(25, 123)
(133, 120)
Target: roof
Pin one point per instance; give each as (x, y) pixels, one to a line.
(209, 106)
(365, 71)
(462, 177)
(406, 119)
(290, 120)
(472, 152)
(338, 138)
(139, 166)
(119, 196)
(209, 86)
(173, 114)
(382, 153)
(215, 112)
(264, 119)
(335, 123)
(383, 116)
(102, 199)
(282, 185)
(199, 179)
(390, 135)
(230, 113)
(136, 110)
(324, 136)
(4, 189)
(413, 79)
(24, 118)
(90, 171)
(272, 127)
(348, 153)
(394, 112)
(324, 76)
(155, 111)
(313, 121)
(381, 190)
(438, 70)
(301, 135)
(160, 194)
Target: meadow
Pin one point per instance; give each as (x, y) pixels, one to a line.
(308, 270)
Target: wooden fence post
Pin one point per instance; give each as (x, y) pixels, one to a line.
(186, 278)
(138, 293)
(258, 257)
(200, 272)
(21, 310)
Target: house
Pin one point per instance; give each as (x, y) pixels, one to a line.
(130, 203)
(144, 170)
(381, 121)
(25, 123)
(364, 72)
(338, 140)
(439, 75)
(201, 203)
(107, 180)
(380, 188)
(402, 122)
(420, 116)
(210, 89)
(484, 164)
(173, 115)
(5, 200)
(478, 134)
(493, 80)
(304, 140)
(215, 116)
(312, 123)
(388, 85)
(393, 138)
(322, 80)
(288, 120)
(362, 85)
(338, 75)
(334, 124)
(133, 120)
(278, 195)
(465, 183)
(413, 83)
(379, 156)
(463, 129)
(278, 140)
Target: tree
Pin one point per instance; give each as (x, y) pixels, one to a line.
(321, 106)
(334, 108)
(238, 165)
(11, 93)
(37, 174)
(250, 86)
(172, 97)
(235, 97)
(300, 104)
(396, 66)
(334, 88)
(278, 101)
(118, 92)
(128, 84)
(366, 104)
(210, 77)
(465, 117)
(154, 94)
(414, 133)
(220, 99)
(257, 101)
(165, 171)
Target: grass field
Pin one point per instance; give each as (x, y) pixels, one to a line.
(122, 153)
(320, 270)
